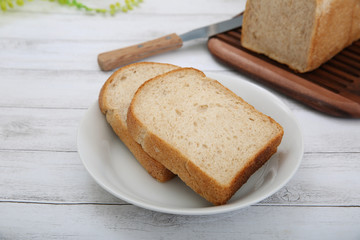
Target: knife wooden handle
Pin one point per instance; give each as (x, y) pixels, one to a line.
(116, 58)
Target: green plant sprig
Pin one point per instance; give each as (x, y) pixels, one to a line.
(113, 8)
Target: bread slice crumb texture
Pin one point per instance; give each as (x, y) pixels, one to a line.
(124, 85)
(211, 126)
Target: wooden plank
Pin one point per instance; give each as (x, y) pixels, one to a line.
(48, 45)
(56, 129)
(54, 177)
(46, 221)
(61, 89)
(323, 179)
(60, 177)
(99, 28)
(48, 54)
(147, 7)
(328, 134)
(70, 88)
(39, 129)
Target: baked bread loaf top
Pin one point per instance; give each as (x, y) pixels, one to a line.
(302, 34)
(201, 131)
(114, 100)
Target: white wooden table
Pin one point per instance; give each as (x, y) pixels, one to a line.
(49, 77)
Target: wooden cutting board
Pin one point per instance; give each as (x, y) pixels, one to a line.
(334, 88)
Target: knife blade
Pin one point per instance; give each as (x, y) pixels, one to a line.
(119, 57)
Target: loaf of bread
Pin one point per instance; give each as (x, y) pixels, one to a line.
(201, 131)
(114, 100)
(302, 34)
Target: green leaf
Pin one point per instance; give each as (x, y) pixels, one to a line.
(10, 4)
(20, 2)
(3, 6)
(113, 8)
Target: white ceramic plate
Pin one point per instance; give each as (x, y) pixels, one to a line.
(114, 168)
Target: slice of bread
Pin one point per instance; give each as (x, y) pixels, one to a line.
(201, 131)
(114, 100)
(302, 34)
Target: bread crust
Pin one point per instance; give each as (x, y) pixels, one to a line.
(333, 30)
(193, 176)
(336, 26)
(153, 167)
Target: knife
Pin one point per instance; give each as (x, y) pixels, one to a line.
(119, 57)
